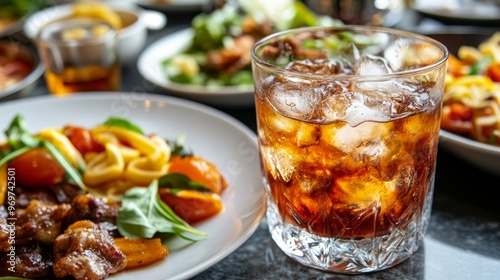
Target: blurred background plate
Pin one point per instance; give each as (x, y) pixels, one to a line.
(150, 68)
(460, 11)
(484, 156)
(172, 5)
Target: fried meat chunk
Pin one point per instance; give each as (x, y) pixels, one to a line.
(232, 59)
(100, 210)
(40, 221)
(30, 260)
(87, 251)
(5, 230)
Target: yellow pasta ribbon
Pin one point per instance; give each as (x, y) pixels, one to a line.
(161, 155)
(142, 172)
(136, 140)
(105, 166)
(144, 158)
(64, 145)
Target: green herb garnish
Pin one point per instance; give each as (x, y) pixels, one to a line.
(123, 123)
(143, 215)
(178, 182)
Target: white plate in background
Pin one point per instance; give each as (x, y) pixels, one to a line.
(150, 68)
(172, 5)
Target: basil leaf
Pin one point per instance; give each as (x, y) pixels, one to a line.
(123, 123)
(18, 136)
(144, 214)
(178, 181)
(481, 65)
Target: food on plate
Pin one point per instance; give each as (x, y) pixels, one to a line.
(97, 10)
(15, 64)
(219, 53)
(471, 105)
(106, 197)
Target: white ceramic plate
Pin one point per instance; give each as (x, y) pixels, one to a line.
(484, 156)
(211, 134)
(173, 5)
(465, 11)
(150, 67)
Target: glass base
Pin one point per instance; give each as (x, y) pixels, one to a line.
(347, 256)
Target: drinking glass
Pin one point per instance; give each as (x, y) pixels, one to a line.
(348, 123)
(79, 55)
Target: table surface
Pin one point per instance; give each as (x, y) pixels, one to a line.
(462, 241)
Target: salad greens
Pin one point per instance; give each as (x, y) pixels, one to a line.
(220, 29)
(18, 8)
(144, 215)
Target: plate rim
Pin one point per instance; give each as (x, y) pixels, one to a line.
(221, 116)
(436, 13)
(171, 6)
(473, 144)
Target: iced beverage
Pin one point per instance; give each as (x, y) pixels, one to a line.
(348, 125)
(79, 55)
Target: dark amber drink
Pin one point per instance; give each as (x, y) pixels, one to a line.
(348, 124)
(342, 181)
(88, 78)
(80, 55)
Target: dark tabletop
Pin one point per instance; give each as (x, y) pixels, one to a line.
(463, 238)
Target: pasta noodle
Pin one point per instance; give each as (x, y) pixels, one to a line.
(129, 158)
(62, 143)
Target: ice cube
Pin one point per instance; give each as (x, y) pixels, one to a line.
(308, 135)
(280, 162)
(296, 99)
(317, 180)
(366, 139)
(371, 65)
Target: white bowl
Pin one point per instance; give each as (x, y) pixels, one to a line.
(28, 83)
(131, 38)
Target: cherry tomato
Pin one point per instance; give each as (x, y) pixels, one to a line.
(192, 206)
(82, 140)
(493, 72)
(199, 170)
(37, 168)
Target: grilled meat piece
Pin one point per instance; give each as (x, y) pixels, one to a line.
(87, 251)
(40, 221)
(5, 230)
(56, 194)
(99, 210)
(232, 59)
(31, 260)
(65, 193)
